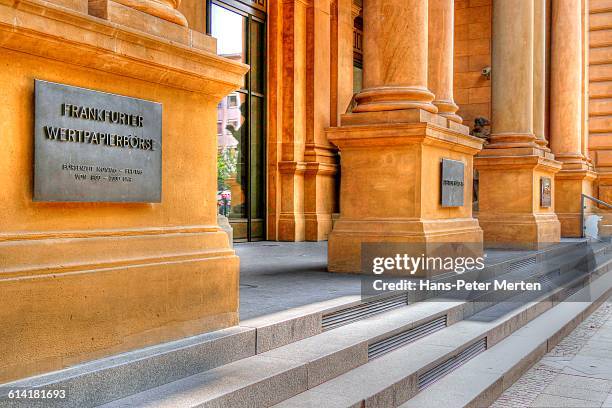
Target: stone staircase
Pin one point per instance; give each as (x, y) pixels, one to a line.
(386, 351)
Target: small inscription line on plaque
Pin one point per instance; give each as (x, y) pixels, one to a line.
(97, 138)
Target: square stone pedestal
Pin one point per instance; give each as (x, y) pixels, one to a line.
(391, 184)
(512, 211)
(85, 280)
(570, 185)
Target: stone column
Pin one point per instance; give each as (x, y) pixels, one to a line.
(566, 113)
(395, 56)
(566, 80)
(539, 72)
(512, 76)
(394, 143)
(523, 216)
(441, 58)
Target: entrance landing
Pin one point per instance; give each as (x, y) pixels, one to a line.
(276, 276)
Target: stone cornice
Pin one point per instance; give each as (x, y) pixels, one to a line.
(365, 136)
(128, 232)
(576, 174)
(517, 162)
(321, 169)
(46, 30)
(291, 167)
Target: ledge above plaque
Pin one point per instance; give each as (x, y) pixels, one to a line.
(452, 183)
(92, 146)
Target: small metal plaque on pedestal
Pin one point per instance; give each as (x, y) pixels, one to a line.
(545, 192)
(452, 183)
(94, 146)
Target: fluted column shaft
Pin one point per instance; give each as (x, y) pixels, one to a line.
(512, 76)
(395, 56)
(441, 58)
(566, 80)
(539, 72)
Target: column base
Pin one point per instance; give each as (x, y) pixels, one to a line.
(291, 222)
(520, 231)
(344, 245)
(513, 209)
(390, 98)
(319, 199)
(570, 185)
(390, 186)
(448, 109)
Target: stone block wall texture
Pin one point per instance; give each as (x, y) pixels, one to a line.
(80, 281)
(600, 89)
(472, 54)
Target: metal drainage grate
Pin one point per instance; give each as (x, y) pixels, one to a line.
(434, 374)
(363, 310)
(523, 263)
(548, 279)
(398, 340)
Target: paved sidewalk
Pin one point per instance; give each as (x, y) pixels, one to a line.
(276, 276)
(576, 373)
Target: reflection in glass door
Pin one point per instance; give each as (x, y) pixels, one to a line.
(240, 122)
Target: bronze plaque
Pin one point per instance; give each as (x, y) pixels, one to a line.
(92, 146)
(545, 192)
(452, 183)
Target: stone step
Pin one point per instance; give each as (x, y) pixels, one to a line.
(309, 355)
(314, 360)
(124, 374)
(480, 381)
(278, 374)
(394, 378)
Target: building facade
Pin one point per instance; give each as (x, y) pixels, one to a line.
(313, 64)
(298, 120)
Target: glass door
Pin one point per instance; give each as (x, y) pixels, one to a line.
(240, 122)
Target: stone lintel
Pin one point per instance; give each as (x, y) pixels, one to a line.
(534, 162)
(576, 174)
(534, 150)
(403, 134)
(402, 116)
